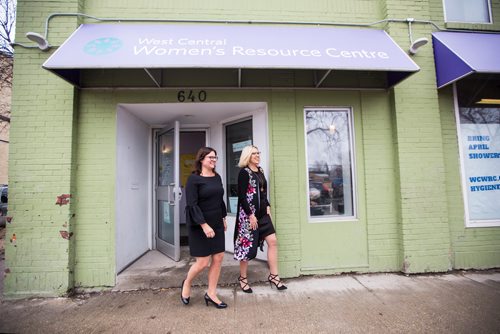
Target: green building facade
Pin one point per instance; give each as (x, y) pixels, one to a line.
(393, 201)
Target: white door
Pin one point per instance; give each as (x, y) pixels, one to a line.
(133, 188)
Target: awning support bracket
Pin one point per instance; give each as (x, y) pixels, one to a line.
(239, 78)
(153, 78)
(323, 78)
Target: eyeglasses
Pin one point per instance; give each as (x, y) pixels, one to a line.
(214, 158)
(255, 153)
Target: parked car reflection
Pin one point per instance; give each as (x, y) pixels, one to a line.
(320, 197)
(4, 199)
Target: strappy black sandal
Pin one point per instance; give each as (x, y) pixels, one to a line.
(240, 280)
(273, 279)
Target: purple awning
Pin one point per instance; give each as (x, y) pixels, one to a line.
(244, 47)
(459, 54)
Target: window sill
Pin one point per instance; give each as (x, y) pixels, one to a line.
(470, 26)
(333, 220)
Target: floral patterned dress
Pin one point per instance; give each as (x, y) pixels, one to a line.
(250, 202)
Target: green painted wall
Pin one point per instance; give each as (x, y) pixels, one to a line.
(407, 168)
(289, 185)
(300, 249)
(381, 182)
(42, 137)
(362, 11)
(333, 246)
(419, 154)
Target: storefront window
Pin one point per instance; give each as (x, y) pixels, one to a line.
(330, 163)
(478, 118)
(467, 11)
(238, 135)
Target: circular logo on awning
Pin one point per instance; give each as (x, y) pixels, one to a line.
(102, 46)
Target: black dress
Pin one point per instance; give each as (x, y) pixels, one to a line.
(265, 223)
(205, 204)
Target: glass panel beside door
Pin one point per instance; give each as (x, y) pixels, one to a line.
(168, 192)
(238, 135)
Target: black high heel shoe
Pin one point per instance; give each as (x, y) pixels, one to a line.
(185, 301)
(241, 279)
(208, 299)
(273, 279)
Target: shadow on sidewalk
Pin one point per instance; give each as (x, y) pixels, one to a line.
(156, 271)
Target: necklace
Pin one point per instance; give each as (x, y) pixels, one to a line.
(261, 178)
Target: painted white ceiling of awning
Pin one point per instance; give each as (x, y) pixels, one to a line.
(159, 114)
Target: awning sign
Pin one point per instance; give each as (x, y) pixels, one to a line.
(163, 46)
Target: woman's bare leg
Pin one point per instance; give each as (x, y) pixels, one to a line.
(272, 256)
(213, 276)
(244, 273)
(197, 267)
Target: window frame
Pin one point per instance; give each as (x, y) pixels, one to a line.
(225, 124)
(469, 223)
(490, 15)
(352, 147)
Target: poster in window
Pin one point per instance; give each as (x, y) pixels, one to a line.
(480, 139)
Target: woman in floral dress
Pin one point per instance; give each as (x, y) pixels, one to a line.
(254, 212)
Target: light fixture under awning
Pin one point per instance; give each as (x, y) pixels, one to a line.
(460, 54)
(232, 55)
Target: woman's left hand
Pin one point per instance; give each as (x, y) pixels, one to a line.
(225, 224)
(269, 211)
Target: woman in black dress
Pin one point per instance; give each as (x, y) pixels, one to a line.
(254, 212)
(206, 219)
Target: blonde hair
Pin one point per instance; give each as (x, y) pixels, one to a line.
(245, 156)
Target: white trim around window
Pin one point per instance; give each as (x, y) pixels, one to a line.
(330, 164)
(463, 173)
(464, 20)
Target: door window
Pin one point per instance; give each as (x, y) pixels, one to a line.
(165, 178)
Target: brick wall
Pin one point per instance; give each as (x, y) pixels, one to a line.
(38, 261)
(419, 153)
(408, 179)
(275, 10)
(286, 181)
(6, 65)
(95, 185)
(381, 182)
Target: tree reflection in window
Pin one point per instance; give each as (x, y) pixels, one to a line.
(479, 115)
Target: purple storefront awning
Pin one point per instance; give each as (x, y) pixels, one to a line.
(243, 47)
(459, 54)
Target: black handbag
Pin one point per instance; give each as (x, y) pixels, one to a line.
(252, 251)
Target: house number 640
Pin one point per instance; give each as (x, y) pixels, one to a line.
(189, 95)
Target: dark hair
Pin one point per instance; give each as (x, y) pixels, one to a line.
(202, 153)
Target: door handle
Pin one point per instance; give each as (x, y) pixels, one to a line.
(172, 203)
(171, 194)
(175, 192)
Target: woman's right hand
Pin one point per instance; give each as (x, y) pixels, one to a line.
(253, 222)
(209, 232)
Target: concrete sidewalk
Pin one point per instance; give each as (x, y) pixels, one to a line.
(462, 302)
